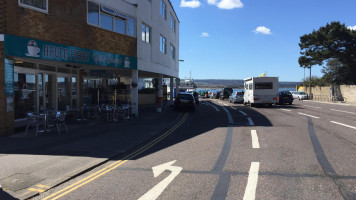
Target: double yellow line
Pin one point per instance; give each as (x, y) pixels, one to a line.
(114, 165)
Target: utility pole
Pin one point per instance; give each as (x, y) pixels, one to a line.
(310, 81)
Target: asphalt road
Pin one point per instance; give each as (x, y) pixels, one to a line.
(229, 151)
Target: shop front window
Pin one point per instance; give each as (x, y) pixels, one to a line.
(63, 92)
(25, 94)
(74, 92)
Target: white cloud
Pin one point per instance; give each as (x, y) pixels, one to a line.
(190, 4)
(352, 28)
(263, 30)
(204, 34)
(226, 4)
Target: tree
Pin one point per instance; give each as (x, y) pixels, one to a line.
(332, 43)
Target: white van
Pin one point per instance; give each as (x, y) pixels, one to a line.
(261, 90)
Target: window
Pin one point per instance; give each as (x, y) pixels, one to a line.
(173, 23)
(120, 26)
(106, 22)
(39, 5)
(268, 85)
(163, 44)
(131, 26)
(250, 86)
(172, 51)
(145, 33)
(110, 19)
(163, 9)
(93, 13)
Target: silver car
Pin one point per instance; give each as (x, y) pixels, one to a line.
(237, 97)
(299, 95)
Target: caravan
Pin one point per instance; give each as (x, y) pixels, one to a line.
(261, 90)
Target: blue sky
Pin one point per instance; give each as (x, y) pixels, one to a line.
(220, 39)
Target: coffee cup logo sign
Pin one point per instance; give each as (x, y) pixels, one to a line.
(127, 62)
(32, 49)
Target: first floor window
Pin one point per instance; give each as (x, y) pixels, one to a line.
(41, 5)
(93, 13)
(120, 26)
(172, 51)
(163, 44)
(106, 22)
(145, 33)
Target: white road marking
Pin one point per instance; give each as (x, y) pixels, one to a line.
(311, 106)
(285, 109)
(216, 108)
(250, 191)
(343, 124)
(242, 112)
(158, 189)
(229, 117)
(343, 111)
(250, 121)
(255, 143)
(308, 115)
(233, 107)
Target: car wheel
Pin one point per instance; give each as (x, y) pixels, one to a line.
(299, 98)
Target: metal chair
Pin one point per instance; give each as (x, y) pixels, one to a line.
(60, 121)
(34, 121)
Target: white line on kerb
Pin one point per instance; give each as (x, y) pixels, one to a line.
(343, 124)
(250, 191)
(242, 112)
(225, 104)
(285, 109)
(343, 111)
(308, 115)
(250, 121)
(255, 143)
(312, 106)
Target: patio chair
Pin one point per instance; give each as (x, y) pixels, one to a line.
(34, 121)
(60, 121)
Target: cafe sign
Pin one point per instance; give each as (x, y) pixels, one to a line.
(38, 49)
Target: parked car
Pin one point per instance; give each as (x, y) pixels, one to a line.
(184, 100)
(301, 96)
(196, 96)
(237, 97)
(294, 94)
(285, 97)
(225, 93)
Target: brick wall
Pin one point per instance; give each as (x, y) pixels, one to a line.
(66, 23)
(2, 16)
(6, 118)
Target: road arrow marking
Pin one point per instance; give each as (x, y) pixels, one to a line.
(158, 170)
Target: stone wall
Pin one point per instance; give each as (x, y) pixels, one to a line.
(323, 93)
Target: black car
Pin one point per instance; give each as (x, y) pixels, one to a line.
(184, 100)
(285, 97)
(225, 93)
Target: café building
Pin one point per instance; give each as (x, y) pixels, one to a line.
(56, 54)
(60, 54)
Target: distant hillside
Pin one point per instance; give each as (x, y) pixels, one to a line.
(219, 83)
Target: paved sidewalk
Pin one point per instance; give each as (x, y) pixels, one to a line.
(30, 164)
(337, 103)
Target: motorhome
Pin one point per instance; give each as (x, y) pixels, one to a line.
(261, 90)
